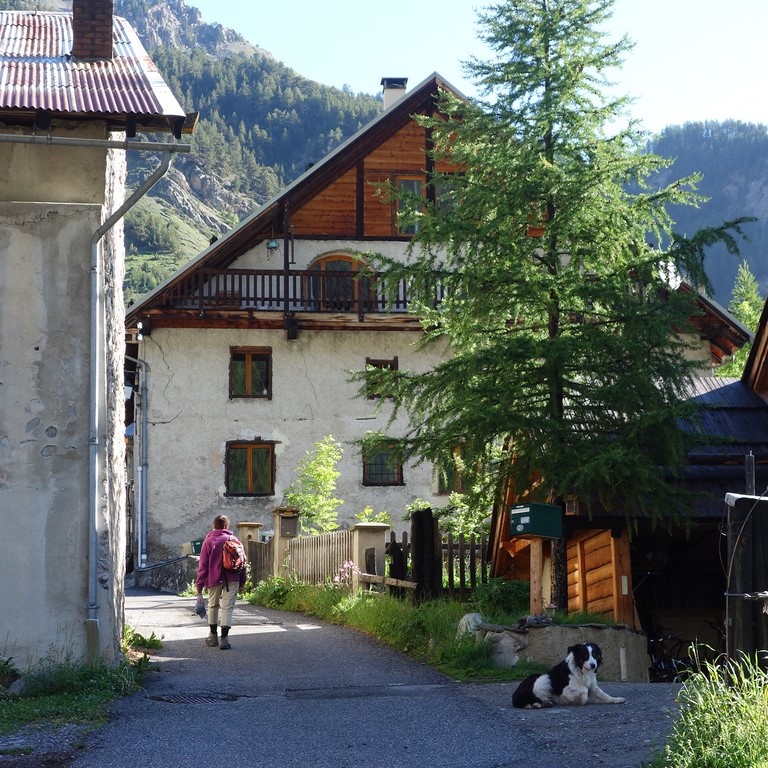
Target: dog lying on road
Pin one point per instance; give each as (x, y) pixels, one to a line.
(572, 681)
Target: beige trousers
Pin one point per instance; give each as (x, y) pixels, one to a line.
(221, 603)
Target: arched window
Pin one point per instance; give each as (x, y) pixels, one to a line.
(339, 287)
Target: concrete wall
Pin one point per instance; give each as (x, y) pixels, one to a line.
(51, 202)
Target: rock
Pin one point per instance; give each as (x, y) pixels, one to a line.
(469, 622)
(506, 648)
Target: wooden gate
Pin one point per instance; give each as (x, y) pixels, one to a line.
(260, 560)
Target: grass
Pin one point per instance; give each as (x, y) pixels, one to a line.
(723, 721)
(59, 689)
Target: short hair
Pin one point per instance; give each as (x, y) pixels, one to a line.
(221, 521)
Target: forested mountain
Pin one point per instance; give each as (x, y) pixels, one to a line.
(733, 159)
(261, 124)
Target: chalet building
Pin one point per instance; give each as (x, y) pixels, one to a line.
(245, 354)
(74, 89)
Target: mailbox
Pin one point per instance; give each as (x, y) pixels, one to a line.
(289, 522)
(536, 520)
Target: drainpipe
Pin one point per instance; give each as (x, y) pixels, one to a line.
(141, 507)
(97, 392)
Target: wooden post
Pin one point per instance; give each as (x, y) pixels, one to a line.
(537, 566)
(623, 607)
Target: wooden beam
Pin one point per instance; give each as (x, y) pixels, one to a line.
(537, 564)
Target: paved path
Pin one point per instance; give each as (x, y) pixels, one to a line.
(297, 692)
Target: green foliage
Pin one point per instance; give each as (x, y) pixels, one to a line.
(312, 490)
(8, 672)
(61, 690)
(746, 306)
(502, 598)
(272, 592)
(135, 640)
(565, 374)
(368, 515)
(723, 720)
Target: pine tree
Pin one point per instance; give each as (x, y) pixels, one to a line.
(746, 306)
(567, 370)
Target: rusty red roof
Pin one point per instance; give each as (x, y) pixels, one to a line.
(38, 72)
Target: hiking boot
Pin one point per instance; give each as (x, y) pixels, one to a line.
(224, 645)
(212, 640)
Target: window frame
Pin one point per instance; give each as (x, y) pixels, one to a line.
(250, 445)
(250, 353)
(392, 364)
(391, 449)
(396, 203)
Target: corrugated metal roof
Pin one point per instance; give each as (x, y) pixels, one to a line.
(37, 71)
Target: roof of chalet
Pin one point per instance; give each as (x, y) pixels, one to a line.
(38, 73)
(258, 225)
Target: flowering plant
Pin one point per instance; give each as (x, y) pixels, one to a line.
(345, 574)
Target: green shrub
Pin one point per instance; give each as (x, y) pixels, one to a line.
(723, 721)
(500, 598)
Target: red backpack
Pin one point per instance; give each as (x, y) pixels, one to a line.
(233, 555)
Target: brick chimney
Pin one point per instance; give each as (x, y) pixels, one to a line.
(394, 89)
(92, 29)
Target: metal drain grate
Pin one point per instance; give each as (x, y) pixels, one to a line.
(193, 698)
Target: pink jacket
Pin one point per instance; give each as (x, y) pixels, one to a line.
(210, 571)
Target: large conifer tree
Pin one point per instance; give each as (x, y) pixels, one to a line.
(568, 365)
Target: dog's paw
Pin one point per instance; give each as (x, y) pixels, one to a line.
(617, 700)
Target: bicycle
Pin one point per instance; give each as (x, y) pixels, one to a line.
(667, 664)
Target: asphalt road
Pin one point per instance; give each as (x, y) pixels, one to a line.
(297, 692)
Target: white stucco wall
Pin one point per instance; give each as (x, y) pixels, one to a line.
(191, 419)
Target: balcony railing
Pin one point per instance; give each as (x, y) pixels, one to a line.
(257, 290)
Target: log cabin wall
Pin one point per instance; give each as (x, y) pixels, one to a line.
(600, 575)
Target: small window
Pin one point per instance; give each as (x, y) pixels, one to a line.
(381, 466)
(449, 476)
(380, 364)
(250, 372)
(410, 189)
(250, 468)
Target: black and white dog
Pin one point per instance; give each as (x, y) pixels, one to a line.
(572, 681)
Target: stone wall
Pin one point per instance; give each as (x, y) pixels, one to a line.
(625, 654)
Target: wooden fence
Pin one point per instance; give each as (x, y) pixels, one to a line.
(317, 559)
(420, 562)
(464, 562)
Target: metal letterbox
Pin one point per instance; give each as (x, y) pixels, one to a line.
(536, 520)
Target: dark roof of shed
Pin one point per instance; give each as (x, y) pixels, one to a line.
(735, 417)
(38, 73)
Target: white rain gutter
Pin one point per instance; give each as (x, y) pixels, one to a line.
(97, 368)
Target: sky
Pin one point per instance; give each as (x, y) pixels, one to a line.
(693, 60)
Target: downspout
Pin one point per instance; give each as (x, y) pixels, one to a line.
(141, 507)
(97, 395)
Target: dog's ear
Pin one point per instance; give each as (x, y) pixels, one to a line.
(571, 649)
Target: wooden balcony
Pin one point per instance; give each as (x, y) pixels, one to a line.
(264, 298)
